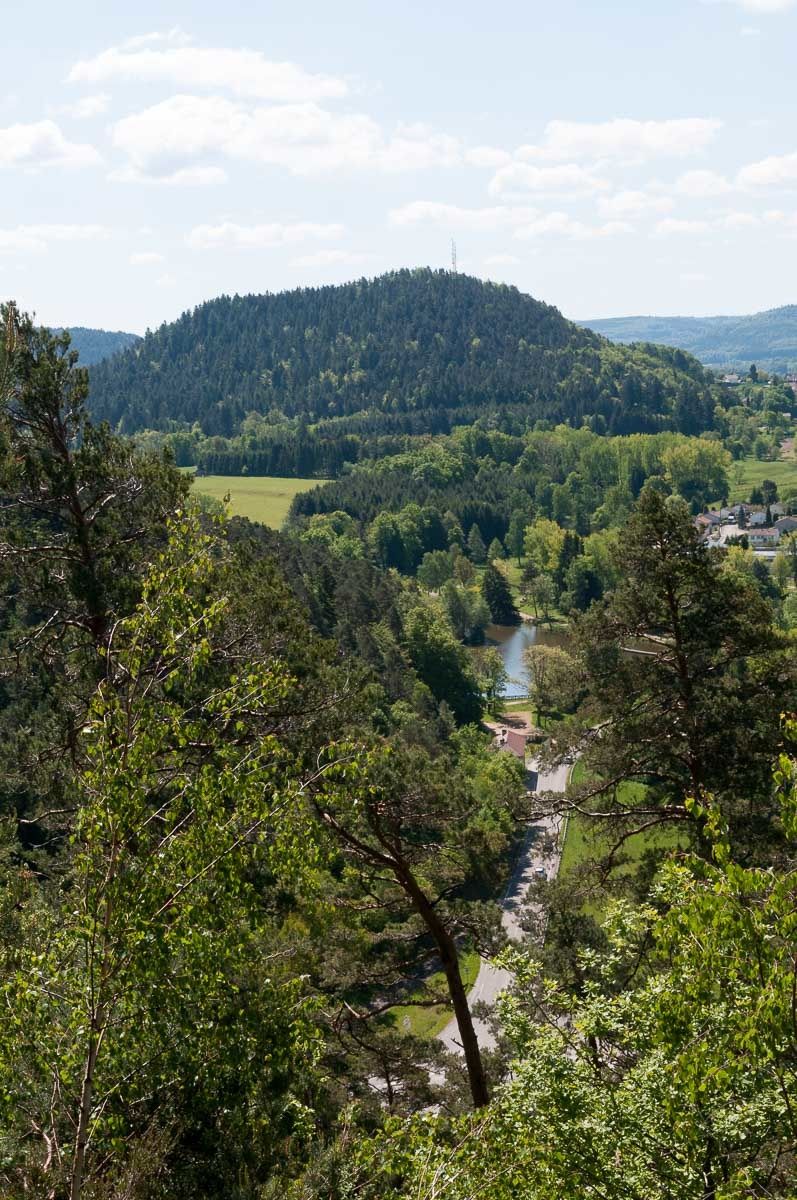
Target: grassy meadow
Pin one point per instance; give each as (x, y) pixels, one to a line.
(260, 498)
(748, 473)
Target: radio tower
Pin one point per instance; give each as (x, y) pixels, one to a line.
(453, 256)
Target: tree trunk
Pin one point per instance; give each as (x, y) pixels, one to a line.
(449, 958)
(81, 1137)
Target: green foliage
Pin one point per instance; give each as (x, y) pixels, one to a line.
(484, 482)
(680, 653)
(301, 382)
(442, 663)
(476, 547)
(673, 1081)
(553, 678)
(498, 597)
(94, 345)
(128, 986)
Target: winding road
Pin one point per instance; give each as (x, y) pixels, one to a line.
(534, 862)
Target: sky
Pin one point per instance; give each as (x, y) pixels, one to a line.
(611, 158)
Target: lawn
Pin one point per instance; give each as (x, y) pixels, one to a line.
(260, 498)
(748, 473)
(428, 1022)
(584, 843)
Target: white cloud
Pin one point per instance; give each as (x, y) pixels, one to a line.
(259, 237)
(730, 222)
(412, 148)
(451, 216)
(693, 277)
(42, 144)
(633, 204)
(701, 184)
(87, 106)
(191, 132)
(673, 226)
(243, 72)
(145, 258)
(331, 258)
(749, 31)
(567, 179)
(36, 238)
(623, 138)
(165, 281)
(777, 171)
(562, 225)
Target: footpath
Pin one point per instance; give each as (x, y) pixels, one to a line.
(539, 858)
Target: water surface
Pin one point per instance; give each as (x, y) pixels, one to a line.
(511, 641)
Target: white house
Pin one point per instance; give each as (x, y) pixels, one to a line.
(763, 539)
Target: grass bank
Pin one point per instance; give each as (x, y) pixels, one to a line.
(584, 843)
(428, 1022)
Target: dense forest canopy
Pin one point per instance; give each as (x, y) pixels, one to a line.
(483, 479)
(94, 345)
(409, 352)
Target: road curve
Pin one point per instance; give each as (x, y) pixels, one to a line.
(532, 863)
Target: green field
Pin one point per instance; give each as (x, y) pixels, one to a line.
(260, 498)
(748, 473)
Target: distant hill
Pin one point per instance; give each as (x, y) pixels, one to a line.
(93, 345)
(411, 351)
(768, 339)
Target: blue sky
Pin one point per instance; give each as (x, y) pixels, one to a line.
(609, 158)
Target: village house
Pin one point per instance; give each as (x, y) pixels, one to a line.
(512, 740)
(763, 539)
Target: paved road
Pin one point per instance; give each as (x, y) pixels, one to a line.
(531, 861)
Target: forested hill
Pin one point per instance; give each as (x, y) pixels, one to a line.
(412, 350)
(768, 339)
(94, 345)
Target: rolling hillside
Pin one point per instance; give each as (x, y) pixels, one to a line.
(409, 352)
(94, 345)
(768, 339)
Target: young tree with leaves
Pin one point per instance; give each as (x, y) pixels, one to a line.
(135, 989)
(553, 678)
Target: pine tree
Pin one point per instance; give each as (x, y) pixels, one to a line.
(476, 547)
(495, 590)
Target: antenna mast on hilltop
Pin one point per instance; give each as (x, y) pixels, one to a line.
(453, 256)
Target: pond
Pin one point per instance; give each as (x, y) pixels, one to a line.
(511, 641)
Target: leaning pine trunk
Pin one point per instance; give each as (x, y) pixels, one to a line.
(449, 957)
